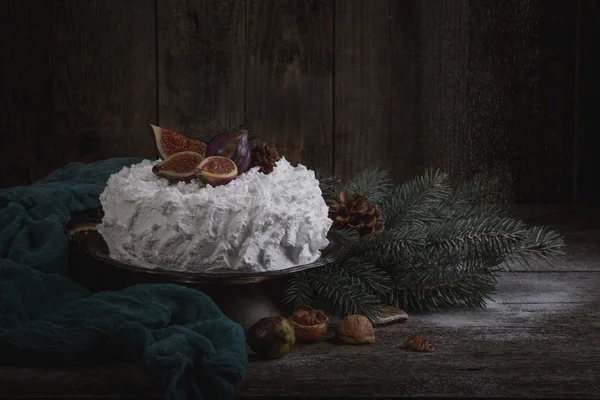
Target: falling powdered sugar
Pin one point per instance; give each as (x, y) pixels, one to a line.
(255, 223)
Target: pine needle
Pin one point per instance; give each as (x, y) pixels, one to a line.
(365, 273)
(416, 201)
(371, 182)
(343, 294)
(298, 291)
(216, 128)
(330, 185)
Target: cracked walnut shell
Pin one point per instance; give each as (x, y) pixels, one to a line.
(310, 324)
(356, 329)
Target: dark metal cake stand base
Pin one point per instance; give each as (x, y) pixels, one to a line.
(246, 304)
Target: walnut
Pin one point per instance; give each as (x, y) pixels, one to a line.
(310, 324)
(356, 329)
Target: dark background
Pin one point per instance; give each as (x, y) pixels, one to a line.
(509, 86)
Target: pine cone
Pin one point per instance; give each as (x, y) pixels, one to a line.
(355, 212)
(264, 157)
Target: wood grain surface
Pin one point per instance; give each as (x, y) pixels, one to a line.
(407, 82)
(538, 337)
(543, 96)
(587, 79)
(362, 82)
(289, 78)
(27, 132)
(104, 80)
(201, 63)
(505, 86)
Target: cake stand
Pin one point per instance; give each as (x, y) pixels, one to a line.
(243, 297)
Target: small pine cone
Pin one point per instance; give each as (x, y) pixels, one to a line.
(356, 213)
(264, 157)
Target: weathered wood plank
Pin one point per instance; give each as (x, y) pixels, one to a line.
(104, 74)
(541, 337)
(201, 63)
(406, 101)
(485, 85)
(26, 120)
(542, 94)
(521, 345)
(580, 227)
(588, 100)
(362, 86)
(290, 72)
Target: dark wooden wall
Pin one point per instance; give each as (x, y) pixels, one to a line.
(508, 86)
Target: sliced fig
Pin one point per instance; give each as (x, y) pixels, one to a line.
(182, 166)
(233, 145)
(169, 142)
(217, 171)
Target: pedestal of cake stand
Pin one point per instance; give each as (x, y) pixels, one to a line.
(246, 303)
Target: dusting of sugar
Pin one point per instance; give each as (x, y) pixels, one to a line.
(472, 82)
(255, 223)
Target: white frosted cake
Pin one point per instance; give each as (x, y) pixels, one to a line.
(256, 222)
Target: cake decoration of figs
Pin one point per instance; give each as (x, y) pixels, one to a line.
(182, 166)
(169, 142)
(188, 165)
(216, 170)
(232, 145)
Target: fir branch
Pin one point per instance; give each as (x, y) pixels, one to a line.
(364, 273)
(298, 291)
(343, 294)
(329, 184)
(467, 284)
(442, 247)
(389, 249)
(349, 235)
(416, 201)
(483, 188)
(540, 243)
(461, 209)
(216, 128)
(485, 236)
(371, 182)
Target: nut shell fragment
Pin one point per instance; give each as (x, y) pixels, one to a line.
(389, 315)
(417, 343)
(309, 324)
(356, 329)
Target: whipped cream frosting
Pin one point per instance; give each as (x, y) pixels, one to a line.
(255, 223)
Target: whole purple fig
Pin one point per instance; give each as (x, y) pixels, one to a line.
(232, 145)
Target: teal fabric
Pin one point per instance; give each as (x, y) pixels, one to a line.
(174, 331)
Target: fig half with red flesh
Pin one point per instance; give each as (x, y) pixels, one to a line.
(169, 142)
(217, 171)
(183, 166)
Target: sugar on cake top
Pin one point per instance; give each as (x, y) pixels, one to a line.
(254, 223)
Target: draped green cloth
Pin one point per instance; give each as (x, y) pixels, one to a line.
(174, 331)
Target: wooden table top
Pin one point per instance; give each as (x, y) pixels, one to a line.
(540, 337)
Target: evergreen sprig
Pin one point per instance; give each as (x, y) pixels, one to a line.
(373, 182)
(329, 184)
(442, 246)
(216, 128)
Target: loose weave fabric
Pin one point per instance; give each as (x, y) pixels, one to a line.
(45, 318)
